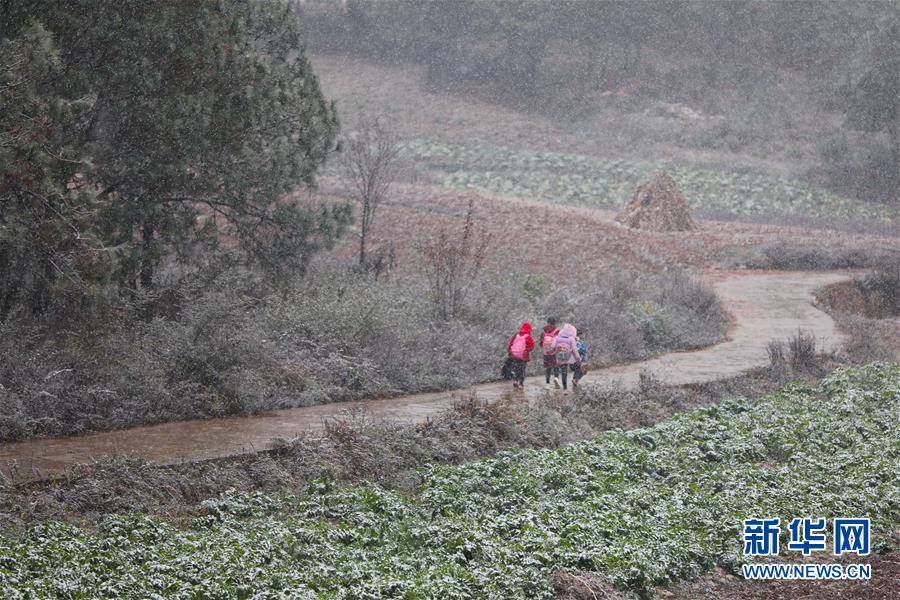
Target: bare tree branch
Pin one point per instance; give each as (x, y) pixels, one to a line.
(453, 262)
(371, 163)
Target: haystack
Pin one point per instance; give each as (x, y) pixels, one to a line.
(657, 205)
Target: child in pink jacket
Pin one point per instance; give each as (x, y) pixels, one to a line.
(567, 355)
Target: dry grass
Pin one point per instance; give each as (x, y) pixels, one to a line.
(356, 447)
(570, 585)
(334, 336)
(871, 339)
(867, 310)
(802, 349)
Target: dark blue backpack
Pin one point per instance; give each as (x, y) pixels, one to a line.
(582, 351)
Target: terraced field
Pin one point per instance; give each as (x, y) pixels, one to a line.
(589, 181)
(640, 508)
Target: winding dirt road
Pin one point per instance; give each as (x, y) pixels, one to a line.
(763, 306)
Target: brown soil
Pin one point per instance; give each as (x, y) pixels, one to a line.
(657, 205)
(588, 239)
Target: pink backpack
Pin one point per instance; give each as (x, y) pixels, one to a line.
(517, 350)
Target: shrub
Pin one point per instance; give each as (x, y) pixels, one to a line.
(695, 317)
(652, 322)
(536, 288)
(776, 351)
(802, 349)
(868, 340)
(452, 262)
(336, 335)
(881, 289)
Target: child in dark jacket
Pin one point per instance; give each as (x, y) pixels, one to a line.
(582, 354)
(519, 350)
(548, 349)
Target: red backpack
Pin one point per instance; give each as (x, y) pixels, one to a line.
(517, 349)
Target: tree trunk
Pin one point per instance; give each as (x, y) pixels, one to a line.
(147, 258)
(40, 294)
(364, 225)
(362, 248)
(894, 135)
(10, 283)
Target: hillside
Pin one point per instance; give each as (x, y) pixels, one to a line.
(460, 141)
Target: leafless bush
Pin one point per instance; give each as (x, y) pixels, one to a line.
(452, 262)
(370, 161)
(802, 349)
(648, 383)
(381, 260)
(776, 351)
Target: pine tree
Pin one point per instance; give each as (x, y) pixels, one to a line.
(48, 243)
(203, 116)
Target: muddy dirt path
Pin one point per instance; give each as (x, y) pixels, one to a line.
(763, 306)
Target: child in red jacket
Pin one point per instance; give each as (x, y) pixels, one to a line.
(519, 350)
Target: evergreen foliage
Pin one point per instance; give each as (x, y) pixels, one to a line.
(48, 216)
(197, 118)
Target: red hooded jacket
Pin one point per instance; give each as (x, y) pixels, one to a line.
(529, 342)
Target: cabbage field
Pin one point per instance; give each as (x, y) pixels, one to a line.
(588, 181)
(642, 508)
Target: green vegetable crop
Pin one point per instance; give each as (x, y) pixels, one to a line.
(643, 507)
(589, 181)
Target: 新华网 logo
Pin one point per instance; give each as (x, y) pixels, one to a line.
(762, 537)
